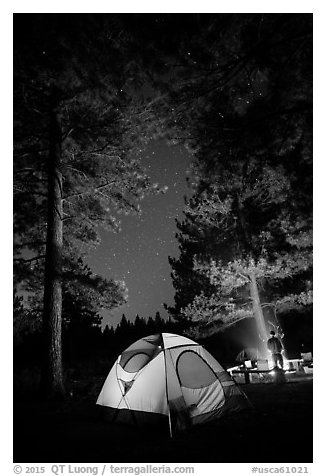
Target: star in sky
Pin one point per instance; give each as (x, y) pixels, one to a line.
(139, 253)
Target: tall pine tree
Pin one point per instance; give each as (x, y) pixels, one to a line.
(79, 130)
(244, 104)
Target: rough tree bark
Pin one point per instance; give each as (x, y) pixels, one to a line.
(52, 385)
(259, 316)
(254, 291)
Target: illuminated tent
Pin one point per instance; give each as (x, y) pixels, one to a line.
(168, 379)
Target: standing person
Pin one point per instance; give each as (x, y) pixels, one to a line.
(275, 346)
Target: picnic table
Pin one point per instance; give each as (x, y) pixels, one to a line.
(247, 373)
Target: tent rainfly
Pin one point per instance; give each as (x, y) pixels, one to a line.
(168, 379)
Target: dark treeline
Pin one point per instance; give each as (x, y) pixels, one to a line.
(128, 331)
(90, 347)
(85, 340)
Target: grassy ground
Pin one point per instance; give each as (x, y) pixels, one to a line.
(277, 429)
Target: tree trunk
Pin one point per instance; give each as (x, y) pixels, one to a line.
(254, 292)
(52, 377)
(259, 316)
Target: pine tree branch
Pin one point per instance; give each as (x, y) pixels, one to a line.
(18, 191)
(88, 192)
(29, 260)
(29, 243)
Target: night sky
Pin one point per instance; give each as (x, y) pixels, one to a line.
(139, 253)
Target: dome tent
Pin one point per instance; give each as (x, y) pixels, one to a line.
(172, 378)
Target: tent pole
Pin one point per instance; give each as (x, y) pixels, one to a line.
(166, 389)
(123, 397)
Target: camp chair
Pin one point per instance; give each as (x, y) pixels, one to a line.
(306, 358)
(307, 363)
